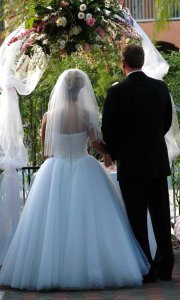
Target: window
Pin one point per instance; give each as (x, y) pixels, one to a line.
(142, 10)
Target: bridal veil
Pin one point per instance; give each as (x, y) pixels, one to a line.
(72, 108)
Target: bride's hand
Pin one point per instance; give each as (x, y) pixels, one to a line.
(107, 160)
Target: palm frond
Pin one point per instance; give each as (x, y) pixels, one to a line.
(164, 11)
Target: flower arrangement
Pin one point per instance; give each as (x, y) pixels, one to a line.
(61, 27)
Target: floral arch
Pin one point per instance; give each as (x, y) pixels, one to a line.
(54, 28)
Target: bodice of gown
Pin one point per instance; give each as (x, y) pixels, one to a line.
(70, 145)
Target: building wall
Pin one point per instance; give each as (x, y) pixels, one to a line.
(143, 12)
(170, 34)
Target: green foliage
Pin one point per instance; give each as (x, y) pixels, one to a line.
(103, 68)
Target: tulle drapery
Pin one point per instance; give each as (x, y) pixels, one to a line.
(18, 75)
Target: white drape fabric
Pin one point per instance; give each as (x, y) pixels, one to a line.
(18, 75)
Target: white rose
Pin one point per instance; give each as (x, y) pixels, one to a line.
(78, 47)
(98, 38)
(88, 16)
(63, 43)
(81, 15)
(33, 37)
(45, 18)
(97, 46)
(45, 42)
(61, 22)
(83, 7)
(75, 30)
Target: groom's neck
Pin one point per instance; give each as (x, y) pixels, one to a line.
(131, 70)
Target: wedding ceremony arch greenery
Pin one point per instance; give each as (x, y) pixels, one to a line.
(86, 34)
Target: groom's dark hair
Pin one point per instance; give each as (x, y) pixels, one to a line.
(133, 55)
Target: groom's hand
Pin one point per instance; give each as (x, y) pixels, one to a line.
(107, 160)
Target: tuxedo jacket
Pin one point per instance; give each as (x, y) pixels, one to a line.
(137, 114)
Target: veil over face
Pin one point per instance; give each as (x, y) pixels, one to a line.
(72, 108)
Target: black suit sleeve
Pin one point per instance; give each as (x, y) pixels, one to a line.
(108, 124)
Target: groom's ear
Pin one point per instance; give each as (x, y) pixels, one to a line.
(123, 65)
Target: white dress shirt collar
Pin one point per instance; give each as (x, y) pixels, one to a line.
(134, 72)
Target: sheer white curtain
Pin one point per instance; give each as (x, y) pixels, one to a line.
(18, 75)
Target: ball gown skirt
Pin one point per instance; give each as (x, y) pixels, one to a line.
(73, 232)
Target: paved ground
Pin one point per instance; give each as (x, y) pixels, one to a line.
(152, 291)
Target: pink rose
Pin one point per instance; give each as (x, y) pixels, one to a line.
(11, 17)
(86, 47)
(25, 46)
(100, 31)
(64, 4)
(90, 21)
(42, 25)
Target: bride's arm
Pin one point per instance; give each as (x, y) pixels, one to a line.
(97, 144)
(43, 130)
(100, 147)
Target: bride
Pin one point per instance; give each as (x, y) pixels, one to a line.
(73, 232)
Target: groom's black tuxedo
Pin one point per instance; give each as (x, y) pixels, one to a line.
(137, 114)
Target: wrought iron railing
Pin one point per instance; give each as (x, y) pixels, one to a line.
(143, 10)
(26, 174)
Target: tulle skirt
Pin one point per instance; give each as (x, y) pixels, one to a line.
(73, 232)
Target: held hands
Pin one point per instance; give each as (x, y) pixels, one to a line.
(107, 160)
(44, 157)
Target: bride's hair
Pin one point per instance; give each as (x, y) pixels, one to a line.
(75, 82)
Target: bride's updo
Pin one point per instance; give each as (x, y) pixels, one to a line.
(75, 81)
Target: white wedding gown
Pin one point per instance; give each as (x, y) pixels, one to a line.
(73, 232)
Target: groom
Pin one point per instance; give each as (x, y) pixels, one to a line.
(137, 114)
